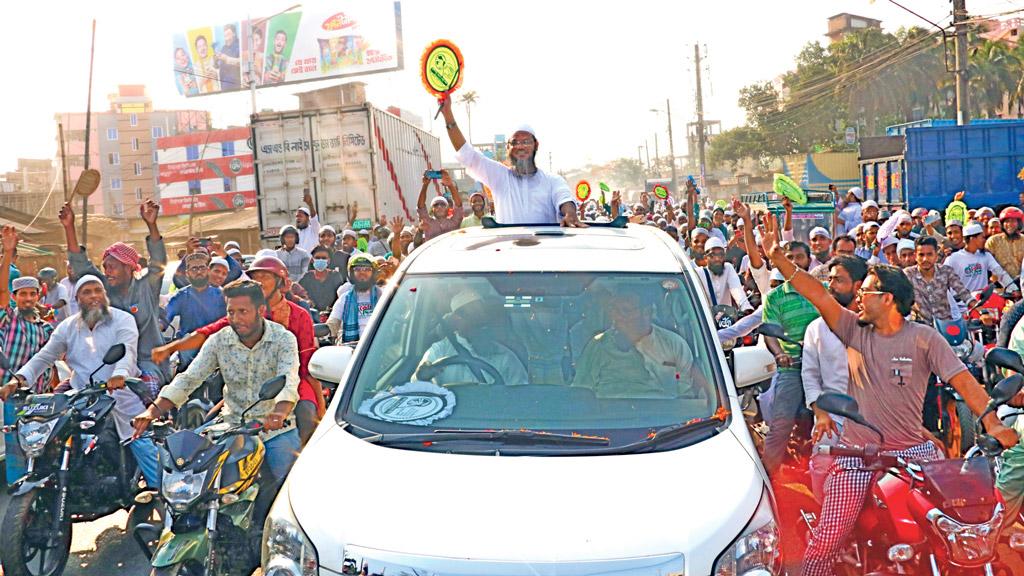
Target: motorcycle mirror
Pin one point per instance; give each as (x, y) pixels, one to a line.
(114, 354)
(989, 445)
(986, 293)
(271, 388)
(1005, 358)
(845, 406)
(1006, 389)
(321, 330)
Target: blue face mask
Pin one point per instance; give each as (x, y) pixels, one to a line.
(319, 265)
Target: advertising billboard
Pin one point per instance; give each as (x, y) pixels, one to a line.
(205, 172)
(346, 38)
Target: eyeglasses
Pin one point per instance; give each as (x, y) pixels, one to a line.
(521, 142)
(197, 268)
(862, 292)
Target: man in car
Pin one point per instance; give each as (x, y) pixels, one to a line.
(139, 297)
(250, 353)
(891, 360)
(523, 193)
(467, 335)
(636, 358)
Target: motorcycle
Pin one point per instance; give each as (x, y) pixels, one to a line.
(215, 493)
(938, 517)
(953, 423)
(77, 471)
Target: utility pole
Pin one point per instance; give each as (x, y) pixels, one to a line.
(672, 150)
(647, 153)
(963, 108)
(700, 134)
(640, 162)
(657, 156)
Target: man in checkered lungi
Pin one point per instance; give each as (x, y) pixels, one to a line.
(890, 361)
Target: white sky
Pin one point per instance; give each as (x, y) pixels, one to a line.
(585, 74)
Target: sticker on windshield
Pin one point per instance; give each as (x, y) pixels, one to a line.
(415, 403)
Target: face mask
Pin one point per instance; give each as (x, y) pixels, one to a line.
(320, 264)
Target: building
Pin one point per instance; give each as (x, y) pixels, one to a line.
(34, 188)
(1007, 31)
(842, 24)
(123, 149)
(209, 171)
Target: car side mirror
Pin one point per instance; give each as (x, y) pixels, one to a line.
(751, 365)
(271, 388)
(114, 354)
(1005, 358)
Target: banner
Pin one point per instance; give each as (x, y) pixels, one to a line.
(349, 38)
(205, 171)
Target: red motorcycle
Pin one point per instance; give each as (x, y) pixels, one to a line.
(941, 517)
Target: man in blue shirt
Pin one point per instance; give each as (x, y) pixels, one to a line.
(196, 305)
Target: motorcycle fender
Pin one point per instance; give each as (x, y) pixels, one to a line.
(897, 497)
(241, 512)
(177, 548)
(24, 485)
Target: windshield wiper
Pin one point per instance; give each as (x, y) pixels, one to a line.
(508, 436)
(709, 426)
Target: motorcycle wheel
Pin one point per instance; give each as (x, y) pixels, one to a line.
(190, 417)
(966, 418)
(184, 569)
(26, 527)
(152, 513)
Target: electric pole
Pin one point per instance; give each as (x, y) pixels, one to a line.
(963, 108)
(672, 150)
(640, 162)
(700, 133)
(656, 155)
(647, 154)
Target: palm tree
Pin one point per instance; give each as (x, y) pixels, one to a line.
(469, 98)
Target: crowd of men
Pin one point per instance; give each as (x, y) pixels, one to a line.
(856, 304)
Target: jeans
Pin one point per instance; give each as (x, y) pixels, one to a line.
(788, 399)
(14, 458)
(281, 451)
(148, 459)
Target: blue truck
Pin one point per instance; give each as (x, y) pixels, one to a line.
(927, 165)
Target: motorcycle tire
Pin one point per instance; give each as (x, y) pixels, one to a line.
(152, 513)
(966, 418)
(183, 569)
(16, 556)
(190, 417)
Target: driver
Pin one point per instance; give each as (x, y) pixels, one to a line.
(635, 358)
(470, 320)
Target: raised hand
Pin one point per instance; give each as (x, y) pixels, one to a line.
(741, 210)
(66, 215)
(10, 238)
(149, 210)
(397, 223)
(770, 240)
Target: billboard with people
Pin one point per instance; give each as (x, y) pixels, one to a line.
(345, 39)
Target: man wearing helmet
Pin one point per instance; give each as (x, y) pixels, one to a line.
(138, 296)
(522, 192)
(272, 275)
(295, 257)
(1008, 246)
(353, 309)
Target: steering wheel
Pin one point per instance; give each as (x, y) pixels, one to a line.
(426, 372)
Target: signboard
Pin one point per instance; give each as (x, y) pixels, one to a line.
(851, 135)
(362, 224)
(205, 172)
(345, 38)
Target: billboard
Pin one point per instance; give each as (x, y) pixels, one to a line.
(205, 171)
(350, 37)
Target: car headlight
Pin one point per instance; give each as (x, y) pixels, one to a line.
(32, 436)
(756, 551)
(181, 488)
(287, 550)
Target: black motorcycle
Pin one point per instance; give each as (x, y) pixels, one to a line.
(78, 470)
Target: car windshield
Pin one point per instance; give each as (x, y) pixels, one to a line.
(614, 355)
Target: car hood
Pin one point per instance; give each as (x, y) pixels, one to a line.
(694, 500)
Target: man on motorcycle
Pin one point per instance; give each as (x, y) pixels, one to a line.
(248, 354)
(322, 282)
(891, 361)
(933, 282)
(139, 297)
(198, 304)
(82, 340)
(354, 307)
(974, 265)
(1008, 246)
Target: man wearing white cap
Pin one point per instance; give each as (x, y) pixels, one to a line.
(869, 246)
(438, 221)
(82, 340)
(307, 221)
(974, 265)
(869, 211)
(720, 278)
(905, 256)
(821, 246)
(850, 216)
(904, 226)
(698, 239)
(523, 193)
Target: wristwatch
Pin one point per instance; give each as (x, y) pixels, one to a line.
(450, 125)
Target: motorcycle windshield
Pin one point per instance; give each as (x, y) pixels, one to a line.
(190, 451)
(43, 406)
(963, 489)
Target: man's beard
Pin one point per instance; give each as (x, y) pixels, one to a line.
(92, 316)
(363, 285)
(524, 166)
(843, 298)
(1013, 235)
(822, 256)
(27, 313)
(302, 226)
(200, 282)
(716, 268)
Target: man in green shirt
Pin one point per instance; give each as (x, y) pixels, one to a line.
(478, 202)
(786, 307)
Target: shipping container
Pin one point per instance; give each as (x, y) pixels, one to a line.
(884, 180)
(982, 159)
(818, 170)
(358, 162)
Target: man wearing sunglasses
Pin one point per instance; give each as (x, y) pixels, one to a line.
(890, 362)
(523, 193)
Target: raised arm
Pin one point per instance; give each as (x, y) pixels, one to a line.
(10, 240)
(750, 244)
(804, 283)
(149, 211)
(308, 199)
(454, 133)
(421, 201)
(446, 179)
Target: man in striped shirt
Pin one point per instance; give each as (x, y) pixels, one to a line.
(786, 307)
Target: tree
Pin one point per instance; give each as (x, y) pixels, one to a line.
(469, 98)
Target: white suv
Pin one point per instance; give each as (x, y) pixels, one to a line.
(534, 401)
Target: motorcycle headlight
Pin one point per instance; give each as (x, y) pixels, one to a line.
(964, 349)
(756, 551)
(287, 550)
(32, 436)
(181, 488)
(968, 543)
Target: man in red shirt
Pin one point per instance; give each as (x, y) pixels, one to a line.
(272, 275)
